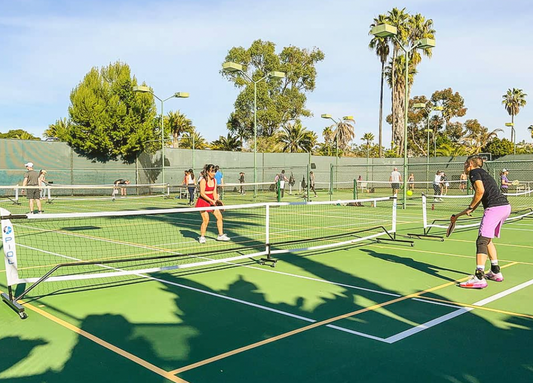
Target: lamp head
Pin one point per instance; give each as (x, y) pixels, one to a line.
(231, 67)
(509, 124)
(419, 105)
(425, 43)
(325, 115)
(278, 75)
(384, 30)
(181, 95)
(142, 89)
(348, 118)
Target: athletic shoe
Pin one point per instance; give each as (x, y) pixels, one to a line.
(223, 237)
(474, 283)
(201, 239)
(496, 277)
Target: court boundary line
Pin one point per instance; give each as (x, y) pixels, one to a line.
(308, 327)
(135, 359)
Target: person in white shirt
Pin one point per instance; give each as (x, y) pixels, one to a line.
(437, 186)
(395, 179)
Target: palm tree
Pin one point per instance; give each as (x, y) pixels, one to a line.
(368, 137)
(344, 133)
(381, 46)
(398, 18)
(193, 140)
(295, 138)
(450, 150)
(177, 123)
(229, 143)
(60, 129)
(410, 30)
(513, 100)
(477, 136)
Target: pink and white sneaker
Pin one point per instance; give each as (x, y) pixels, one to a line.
(496, 277)
(474, 283)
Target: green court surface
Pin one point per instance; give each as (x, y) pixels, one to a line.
(370, 312)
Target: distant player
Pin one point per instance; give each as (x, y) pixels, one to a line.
(120, 183)
(504, 181)
(395, 179)
(31, 178)
(497, 210)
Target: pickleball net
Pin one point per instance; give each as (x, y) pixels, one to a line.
(436, 211)
(70, 247)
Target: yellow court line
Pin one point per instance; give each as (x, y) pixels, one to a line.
(511, 313)
(109, 346)
(309, 327)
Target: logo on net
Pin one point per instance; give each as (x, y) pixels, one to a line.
(8, 230)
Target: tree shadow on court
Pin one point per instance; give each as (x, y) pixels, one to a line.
(427, 268)
(211, 321)
(90, 362)
(15, 349)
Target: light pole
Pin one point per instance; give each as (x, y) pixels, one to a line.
(513, 135)
(145, 89)
(386, 30)
(237, 68)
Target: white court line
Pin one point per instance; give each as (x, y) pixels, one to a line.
(453, 314)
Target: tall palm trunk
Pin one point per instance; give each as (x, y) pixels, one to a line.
(397, 117)
(381, 110)
(512, 128)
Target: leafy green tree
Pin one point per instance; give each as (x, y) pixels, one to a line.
(278, 101)
(177, 123)
(453, 104)
(108, 120)
(381, 47)
(229, 143)
(19, 134)
(513, 100)
(294, 138)
(498, 147)
(450, 150)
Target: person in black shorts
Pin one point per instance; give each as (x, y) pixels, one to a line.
(120, 183)
(31, 178)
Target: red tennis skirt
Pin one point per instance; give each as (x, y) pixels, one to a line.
(200, 202)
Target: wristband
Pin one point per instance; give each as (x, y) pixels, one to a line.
(470, 208)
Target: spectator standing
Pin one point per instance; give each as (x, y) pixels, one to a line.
(42, 183)
(241, 181)
(280, 180)
(312, 181)
(219, 177)
(462, 181)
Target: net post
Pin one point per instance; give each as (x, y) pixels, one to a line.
(268, 258)
(354, 188)
(330, 181)
(278, 188)
(394, 216)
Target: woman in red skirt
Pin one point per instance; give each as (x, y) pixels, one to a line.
(208, 196)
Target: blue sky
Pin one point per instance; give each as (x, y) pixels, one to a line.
(483, 49)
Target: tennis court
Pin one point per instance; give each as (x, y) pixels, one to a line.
(370, 310)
